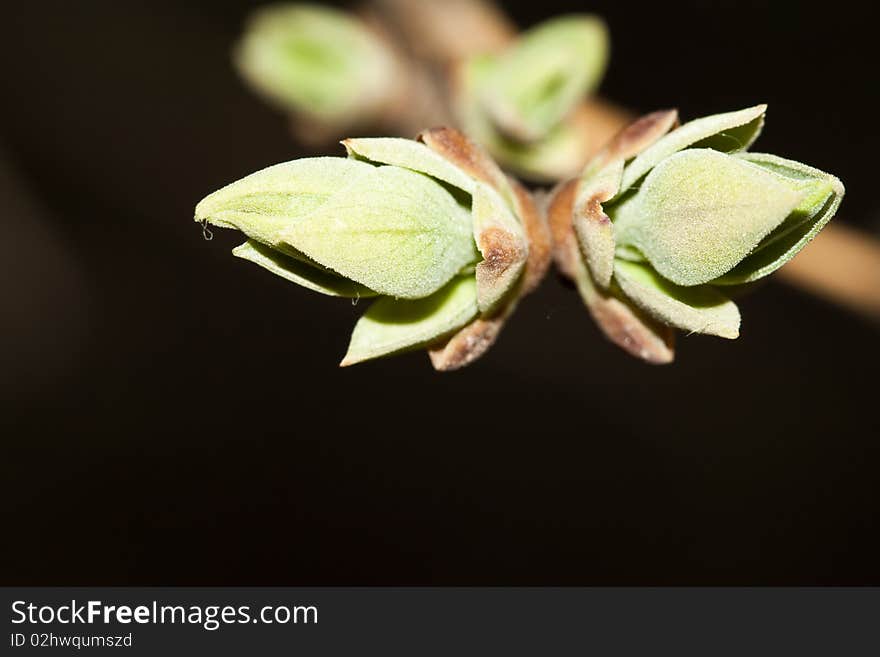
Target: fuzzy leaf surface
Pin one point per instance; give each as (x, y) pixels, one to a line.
(393, 325)
(729, 133)
(263, 204)
(394, 231)
(296, 271)
(699, 213)
(823, 195)
(699, 309)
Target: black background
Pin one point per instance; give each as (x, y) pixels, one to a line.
(172, 415)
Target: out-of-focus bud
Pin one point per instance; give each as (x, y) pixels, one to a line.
(325, 67)
(522, 103)
(432, 227)
(662, 225)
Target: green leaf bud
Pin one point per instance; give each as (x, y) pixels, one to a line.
(666, 219)
(700, 212)
(545, 74)
(393, 230)
(522, 104)
(433, 228)
(316, 60)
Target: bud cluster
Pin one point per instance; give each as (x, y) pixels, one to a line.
(668, 223)
(432, 228)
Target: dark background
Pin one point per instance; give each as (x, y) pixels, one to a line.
(173, 415)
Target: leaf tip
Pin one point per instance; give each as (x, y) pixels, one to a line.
(504, 256)
(641, 133)
(648, 340)
(467, 345)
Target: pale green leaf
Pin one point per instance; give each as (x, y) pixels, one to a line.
(557, 155)
(264, 203)
(549, 69)
(395, 231)
(391, 326)
(316, 60)
(823, 194)
(729, 132)
(592, 226)
(700, 309)
(409, 154)
(502, 243)
(296, 271)
(700, 212)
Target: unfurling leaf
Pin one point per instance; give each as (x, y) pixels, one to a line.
(697, 309)
(409, 154)
(392, 325)
(296, 271)
(729, 133)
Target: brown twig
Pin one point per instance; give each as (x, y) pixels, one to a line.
(842, 265)
(442, 33)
